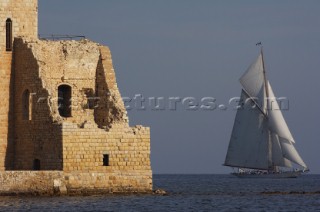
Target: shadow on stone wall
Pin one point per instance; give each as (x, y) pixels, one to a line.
(109, 108)
(41, 137)
(101, 113)
(9, 156)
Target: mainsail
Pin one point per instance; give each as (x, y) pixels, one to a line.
(248, 144)
(260, 137)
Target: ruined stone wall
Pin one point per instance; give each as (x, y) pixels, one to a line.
(77, 144)
(109, 107)
(36, 135)
(71, 63)
(87, 68)
(41, 66)
(24, 16)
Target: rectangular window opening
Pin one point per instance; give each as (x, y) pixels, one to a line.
(106, 160)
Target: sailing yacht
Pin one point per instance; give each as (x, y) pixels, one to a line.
(261, 144)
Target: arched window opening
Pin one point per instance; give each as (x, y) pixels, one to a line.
(64, 100)
(26, 105)
(36, 165)
(8, 35)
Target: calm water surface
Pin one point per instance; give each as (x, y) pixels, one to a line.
(191, 193)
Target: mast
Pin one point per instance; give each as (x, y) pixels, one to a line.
(265, 78)
(266, 84)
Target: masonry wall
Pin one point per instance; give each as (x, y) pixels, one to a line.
(109, 107)
(37, 135)
(24, 16)
(128, 150)
(87, 68)
(61, 183)
(6, 146)
(40, 68)
(77, 144)
(29, 182)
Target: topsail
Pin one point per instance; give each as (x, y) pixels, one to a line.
(252, 82)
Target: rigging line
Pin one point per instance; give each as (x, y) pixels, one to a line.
(255, 102)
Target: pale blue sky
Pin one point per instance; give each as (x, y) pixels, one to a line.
(200, 48)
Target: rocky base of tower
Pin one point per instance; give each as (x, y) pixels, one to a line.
(49, 183)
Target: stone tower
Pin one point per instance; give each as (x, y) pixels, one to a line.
(62, 111)
(17, 18)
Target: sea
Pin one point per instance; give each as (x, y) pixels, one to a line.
(191, 193)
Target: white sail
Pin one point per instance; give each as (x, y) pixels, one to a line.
(253, 82)
(277, 123)
(277, 155)
(290, 153)
(248, 145)
(278, 126)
